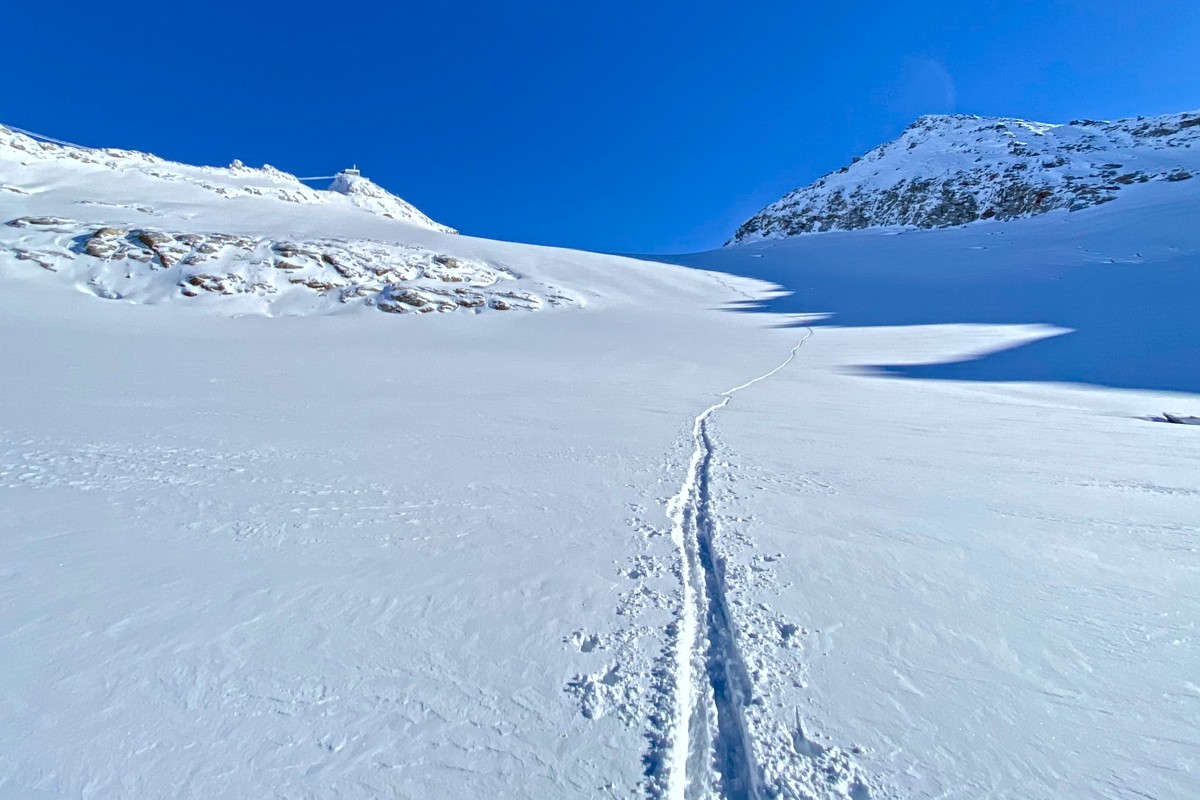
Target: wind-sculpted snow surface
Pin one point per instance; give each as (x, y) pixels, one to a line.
(955, 169)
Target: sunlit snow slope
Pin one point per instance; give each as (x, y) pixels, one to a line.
(977, 537)
(129, 226)
(947, 170)
(910, 528)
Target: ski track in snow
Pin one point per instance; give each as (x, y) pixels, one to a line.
(709, 752)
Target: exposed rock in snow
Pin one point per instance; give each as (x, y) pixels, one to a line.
(947, 170)
(125, 225)
(146, 265)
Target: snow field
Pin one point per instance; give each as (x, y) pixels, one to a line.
(938, 548)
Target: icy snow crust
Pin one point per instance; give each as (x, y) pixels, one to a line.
(646, 547)
(948, 170)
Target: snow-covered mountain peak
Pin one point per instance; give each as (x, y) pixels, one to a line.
(237, 180)
(370, 196)
(964, 128)
(952, 169)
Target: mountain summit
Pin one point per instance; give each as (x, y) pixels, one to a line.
(947, 170)
(372, 197)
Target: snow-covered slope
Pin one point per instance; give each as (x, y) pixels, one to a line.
(126, 225)
(993, 563)
(949, 170)
(369, 196)
(909, 531)
(236, 180)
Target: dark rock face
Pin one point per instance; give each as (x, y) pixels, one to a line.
(956, 169)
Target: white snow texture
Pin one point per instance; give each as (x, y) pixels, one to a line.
(870, 514)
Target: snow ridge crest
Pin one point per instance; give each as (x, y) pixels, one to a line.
(236, 180)
(953, 169)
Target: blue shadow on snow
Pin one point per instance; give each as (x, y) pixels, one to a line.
(1134, 310)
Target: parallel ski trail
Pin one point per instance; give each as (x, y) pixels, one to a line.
(710, 753)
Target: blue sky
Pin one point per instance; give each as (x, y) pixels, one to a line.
(650, 127)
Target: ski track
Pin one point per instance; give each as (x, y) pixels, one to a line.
(709, 752)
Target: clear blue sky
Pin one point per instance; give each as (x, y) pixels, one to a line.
(617, 126)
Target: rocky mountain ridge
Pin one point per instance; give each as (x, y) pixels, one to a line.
(947, 170)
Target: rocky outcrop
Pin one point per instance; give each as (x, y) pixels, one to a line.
(950, 170)
(150, 265)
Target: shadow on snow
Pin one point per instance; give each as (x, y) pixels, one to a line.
(1125, 281)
